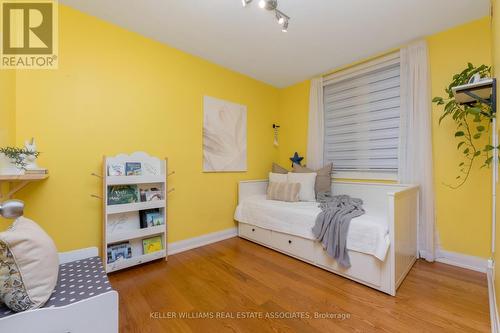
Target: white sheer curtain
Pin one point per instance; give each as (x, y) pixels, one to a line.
(315, 133)
(415, 148)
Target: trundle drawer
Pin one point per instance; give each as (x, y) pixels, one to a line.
(296, 246)
(254, 233)
(364, 267)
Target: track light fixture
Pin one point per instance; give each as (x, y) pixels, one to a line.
(272, 5)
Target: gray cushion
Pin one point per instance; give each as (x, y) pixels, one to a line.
(323, 177)
(279, 169)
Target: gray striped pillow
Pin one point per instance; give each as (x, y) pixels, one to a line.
(283, 191)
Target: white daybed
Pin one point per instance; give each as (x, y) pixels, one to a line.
(382, 243)
(87, 304)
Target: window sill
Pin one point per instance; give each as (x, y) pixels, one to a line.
(356, 175)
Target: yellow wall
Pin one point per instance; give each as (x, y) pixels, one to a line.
(293, 119)
(463, 215)
(116, 91)
(7, 107)
(7, 117)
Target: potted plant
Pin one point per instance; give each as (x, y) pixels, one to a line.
(473, 121)
(14, 160)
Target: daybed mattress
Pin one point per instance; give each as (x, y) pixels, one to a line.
(368, 233)
(77, 281)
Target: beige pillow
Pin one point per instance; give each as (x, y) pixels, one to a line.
(279, 169)
(283, 191)
(29, 265)
(323, 177)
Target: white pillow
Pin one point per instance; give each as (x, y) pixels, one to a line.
(307, 182)
(29, 265)
(278, 177)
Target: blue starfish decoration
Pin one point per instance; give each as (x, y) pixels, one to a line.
(296, 159)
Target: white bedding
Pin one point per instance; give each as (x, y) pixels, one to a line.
(368, 233)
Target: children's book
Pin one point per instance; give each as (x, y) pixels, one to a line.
(116, 169)
(152, 244)
(150, 218)
(133, 169)
(122, 194)
(118, 252)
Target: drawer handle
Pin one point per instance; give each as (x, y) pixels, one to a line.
(253, 229)
(289, 242)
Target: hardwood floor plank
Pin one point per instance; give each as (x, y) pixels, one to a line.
(239, 286)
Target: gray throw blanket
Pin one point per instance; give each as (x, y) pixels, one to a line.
(332, 224)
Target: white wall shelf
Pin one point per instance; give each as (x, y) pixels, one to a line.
(122, 221)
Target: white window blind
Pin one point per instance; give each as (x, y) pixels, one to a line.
(361, 119)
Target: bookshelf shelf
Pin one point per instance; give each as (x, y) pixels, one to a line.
(137, 260)
(116, 209)
(121, 236)
(126, 180)
(125, 243)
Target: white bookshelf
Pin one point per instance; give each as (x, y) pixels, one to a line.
(122, 221)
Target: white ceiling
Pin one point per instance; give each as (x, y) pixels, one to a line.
(323, 34)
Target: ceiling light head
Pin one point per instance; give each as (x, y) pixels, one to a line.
(268, 4)
(285, 26)
(245, 2)
(281, 17)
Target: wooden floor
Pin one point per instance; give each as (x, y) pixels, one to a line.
(218, 285)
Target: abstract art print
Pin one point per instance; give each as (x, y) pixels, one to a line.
(224, 136)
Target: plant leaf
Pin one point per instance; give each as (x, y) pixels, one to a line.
(474, 110)
(459, 133)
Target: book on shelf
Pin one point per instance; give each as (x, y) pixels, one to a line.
(151, 194)
(122, 194)
(152, 244)
(116, 169)
(133, 169)
(150, 218)
(36, 171)
(119, 251)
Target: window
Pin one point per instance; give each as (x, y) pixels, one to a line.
(361, 120)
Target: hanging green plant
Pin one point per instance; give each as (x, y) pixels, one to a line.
(473, 122)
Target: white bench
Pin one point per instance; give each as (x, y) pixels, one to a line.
(97, 314)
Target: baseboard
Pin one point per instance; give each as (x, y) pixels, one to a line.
(79, 254)
(462, 260)
(492, 297)
(192, 243)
